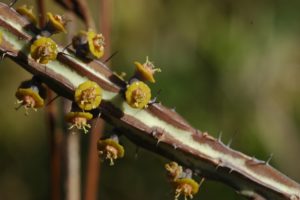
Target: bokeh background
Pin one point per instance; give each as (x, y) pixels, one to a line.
(227, 66)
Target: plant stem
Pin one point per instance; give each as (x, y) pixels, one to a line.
(80, 8)
(42, 12)
(93, 164)
(73, 156)
(55, 132)
(156, 128)
(105, 16)
(73, 188)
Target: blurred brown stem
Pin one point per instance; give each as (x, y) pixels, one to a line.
(56, 138)
(93, 164)
(105, 23)
(42, 12)
(73, 187)
(73, 156)
(80, 8)
(55, 133)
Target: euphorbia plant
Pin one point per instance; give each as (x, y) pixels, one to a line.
(127, 105)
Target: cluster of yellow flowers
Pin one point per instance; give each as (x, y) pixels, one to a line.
(182, 181)
(88, 45)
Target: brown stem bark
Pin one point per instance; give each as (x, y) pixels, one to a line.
(93, 164)
(156, 128)
(55, 132)
(80, 8)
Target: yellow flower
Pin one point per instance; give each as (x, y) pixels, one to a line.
(182, 181)
(43, 50)
(89, 44)
(30, 95)
(88, 95)
(56, 23)
(96, 44)
(138, 94)
(79, 120)
(174, 170)
(186, 187)
(146, 71)
(110, 149)
(27, 12)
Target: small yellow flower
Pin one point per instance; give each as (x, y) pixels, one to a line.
(138, 94)
(89, 44)
(146, 71)
(174, 170)
(96, 44)
(56, 23)
(110, 149)
(186, 187)
(27, 12)
(88, 95)
(30, 95)
(43, 50)
(182, 181)
(79, 120)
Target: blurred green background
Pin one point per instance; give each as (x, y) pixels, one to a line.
(227, 66)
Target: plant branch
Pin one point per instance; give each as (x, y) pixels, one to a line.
(156, 128)
(55, 132)
(80, 8)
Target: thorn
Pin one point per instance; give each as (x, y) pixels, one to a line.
(111, 56)
(157, 135)
(269, 159)
(231, 170)
(65, 48)
(175, 146)
(173, 109)
(4, 54)
(230, 141)
(154, 132)
(159, 140)
(254, 161)
(67, 54)
(12, 3)
(99, 115)
(220, 137)
(201, 181)
(219, 164)
(207, 136)
(52, 100)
